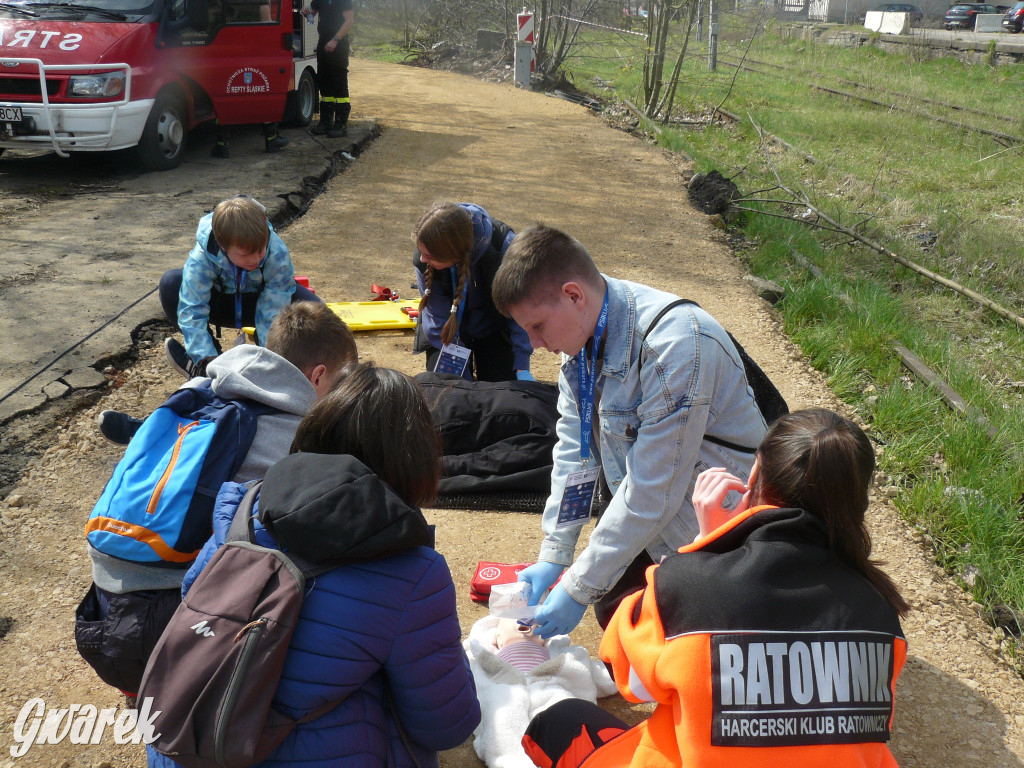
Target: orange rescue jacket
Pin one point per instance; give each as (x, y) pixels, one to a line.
(760, 649)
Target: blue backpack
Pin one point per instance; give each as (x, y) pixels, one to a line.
(157, 507)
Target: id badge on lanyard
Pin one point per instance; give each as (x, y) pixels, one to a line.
(239, 284)
(578, 496)
(454, 358)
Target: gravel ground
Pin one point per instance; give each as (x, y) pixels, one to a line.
(524, 157)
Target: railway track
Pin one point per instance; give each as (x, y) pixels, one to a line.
(793, 74)
(887, 91)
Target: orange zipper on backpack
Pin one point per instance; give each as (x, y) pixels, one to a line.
(154, 500)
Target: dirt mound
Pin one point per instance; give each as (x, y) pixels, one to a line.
(712, 192)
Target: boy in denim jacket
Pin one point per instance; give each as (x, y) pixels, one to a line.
(644, 413)
(239, 273)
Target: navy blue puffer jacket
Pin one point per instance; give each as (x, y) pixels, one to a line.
(386, 614)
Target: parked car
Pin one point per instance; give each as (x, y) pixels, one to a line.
(915, 13)
(1013, 21)
(963, 15)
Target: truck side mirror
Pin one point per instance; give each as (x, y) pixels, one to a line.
(199, 14)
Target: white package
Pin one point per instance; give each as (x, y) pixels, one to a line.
(508, 601)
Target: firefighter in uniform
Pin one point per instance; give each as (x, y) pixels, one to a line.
(332, 49)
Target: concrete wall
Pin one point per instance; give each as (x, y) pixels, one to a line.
(887, 23)
(988, 22)
(922, 44)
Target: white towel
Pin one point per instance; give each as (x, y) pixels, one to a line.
(509, 698)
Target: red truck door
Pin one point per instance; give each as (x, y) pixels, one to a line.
(240, 59)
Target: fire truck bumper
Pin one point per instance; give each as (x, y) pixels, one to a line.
(79, 127)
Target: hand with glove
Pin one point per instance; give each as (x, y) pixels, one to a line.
(540, 576)
(558, 614)
(524, 376)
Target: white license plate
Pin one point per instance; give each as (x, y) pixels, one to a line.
(10, 114)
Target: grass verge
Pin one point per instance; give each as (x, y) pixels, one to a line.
(947, 197)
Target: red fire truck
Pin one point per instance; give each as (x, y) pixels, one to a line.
(100, 75)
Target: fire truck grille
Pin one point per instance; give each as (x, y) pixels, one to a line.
(26, 86)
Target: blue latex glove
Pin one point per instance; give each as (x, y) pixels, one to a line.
(524, 376)
(540, 576)
(558, 614)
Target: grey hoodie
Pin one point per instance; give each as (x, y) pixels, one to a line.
(245, 372)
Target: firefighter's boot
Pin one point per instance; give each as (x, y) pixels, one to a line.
(220, 149)
(340, 127)
(275, 143)
(326, 119)
(273, 140)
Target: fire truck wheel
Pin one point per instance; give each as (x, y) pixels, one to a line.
(302, 102)
(163, 140)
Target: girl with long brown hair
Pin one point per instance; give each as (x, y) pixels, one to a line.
(459, 248)
(772, 640)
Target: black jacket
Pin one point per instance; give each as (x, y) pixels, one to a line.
(496, 436)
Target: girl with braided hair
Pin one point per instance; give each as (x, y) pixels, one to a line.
(459, 248)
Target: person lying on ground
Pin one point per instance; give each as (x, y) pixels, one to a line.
(381, 628)
(642, 410)
(772, 640)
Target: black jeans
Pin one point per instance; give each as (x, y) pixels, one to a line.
(222, 305)
(491, 360)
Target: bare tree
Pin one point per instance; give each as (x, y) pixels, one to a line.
(558, 29)
(662, 33)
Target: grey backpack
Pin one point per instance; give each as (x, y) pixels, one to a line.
(213, 673)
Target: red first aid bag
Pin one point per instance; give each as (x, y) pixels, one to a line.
(489, 574)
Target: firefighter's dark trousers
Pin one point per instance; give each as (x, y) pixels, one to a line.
(332, 71)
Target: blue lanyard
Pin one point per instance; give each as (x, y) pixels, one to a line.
(462, 304)
(588, 382)
(239, 284)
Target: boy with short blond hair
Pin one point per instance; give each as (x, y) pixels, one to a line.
(240, 221)
(239, 273)
(308, 349)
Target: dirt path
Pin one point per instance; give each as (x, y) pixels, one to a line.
(525, 157)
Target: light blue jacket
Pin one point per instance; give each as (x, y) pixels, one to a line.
(658, 398)
(273, 280)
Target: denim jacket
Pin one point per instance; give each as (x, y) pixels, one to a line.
(273, 280)
(658, 398)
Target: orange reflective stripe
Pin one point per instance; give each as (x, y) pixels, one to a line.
(154, 500)
(144, 535)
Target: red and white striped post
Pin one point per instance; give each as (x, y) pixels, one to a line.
(525, 62)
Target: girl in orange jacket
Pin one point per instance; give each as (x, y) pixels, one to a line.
(772, 640)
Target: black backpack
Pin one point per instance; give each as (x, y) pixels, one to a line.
(769, 400)
(213, 674)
